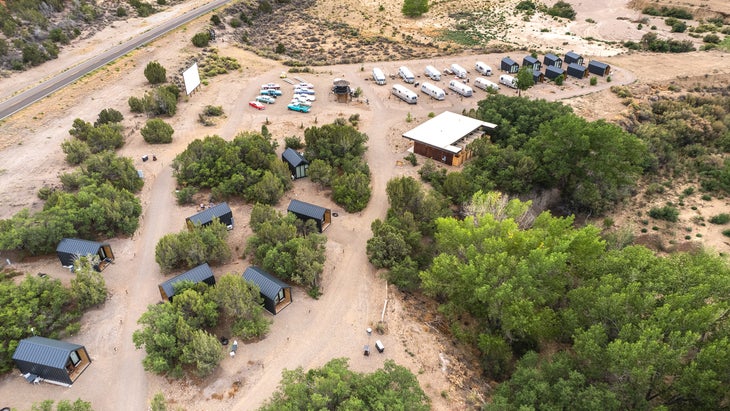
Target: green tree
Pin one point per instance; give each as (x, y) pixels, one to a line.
(107, 167)
(414, 8)
(155, 73)
(158, 402)
(201, 39)
(334, 386)
(63, 405)
(76, 151)
(190, 248)
(203, 351)
(156, 131)
(525, 79)
(88, 286)
(240, 304)
(108, 115)
(320, 172)
(105, 137)
(352, 191)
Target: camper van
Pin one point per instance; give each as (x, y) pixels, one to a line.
(485, 84)
(483, 68)
(406, 74)
(432, 73)
(508, 81)
(459, 71)
(433, 91)
(460, 88)
(378, 76)
(404, 94)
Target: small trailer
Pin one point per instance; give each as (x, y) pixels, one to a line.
(483, 68)
(484, 84)
(432, 73)
(406, 74)
(404, 94)
(460, 88)
(458, 71)
(508, 80)
(378, 76)
(433, 91)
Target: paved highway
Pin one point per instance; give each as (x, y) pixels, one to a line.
(28, 97)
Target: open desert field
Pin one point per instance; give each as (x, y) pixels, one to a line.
(309, 332)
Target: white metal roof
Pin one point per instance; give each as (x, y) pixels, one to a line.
(446, 129)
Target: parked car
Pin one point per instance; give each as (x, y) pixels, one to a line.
(298, 107)
(300, 101)
(270, 92)
(266, 99)
(273, 86)
(305, 85)
(256, 105)
(299, 90)
(306, 97)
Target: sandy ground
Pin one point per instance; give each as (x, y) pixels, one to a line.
(309, 332)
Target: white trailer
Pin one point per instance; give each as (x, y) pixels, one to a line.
(508, 80)
(406, 74)
(404, 94)
(459, 71)
(485, 84)
(433, 91)
(460, 88)
(378, 76)
(482, 68)
(432, 73)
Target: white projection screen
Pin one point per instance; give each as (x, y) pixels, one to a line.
(191, 77)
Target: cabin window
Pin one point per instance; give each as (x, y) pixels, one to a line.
(280, 296)
(75, 359)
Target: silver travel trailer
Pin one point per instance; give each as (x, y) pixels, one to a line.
(483, 68)
(508, 80)
(460, 88)
(484, 84)
(433, 91)
(378, 76)
(406, 74)
(404, 94)
(459, 71)
(432, 73)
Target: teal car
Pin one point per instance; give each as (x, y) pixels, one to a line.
(298, 107)
(266, 99)
(270, 92)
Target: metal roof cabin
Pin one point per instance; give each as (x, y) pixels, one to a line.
(537, 76)
(509, 65)
(533, 62)
(553, 72)
(276, 293)
(221, 211)
(551, 59)
(58, 362)
(306, 211)
(572, 57)
(599, 68)
(69, 249)
(298, 165)
(342, 91)
(577, 71)
(446, 137)
(201, 273)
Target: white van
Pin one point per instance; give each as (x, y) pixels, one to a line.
(432, 73)
(483, 68)
(485, 84)
(459, 71)
(404, 94)
(378, 76)
(406, 74)
(460, 88)
(508, 81)
(433, 91)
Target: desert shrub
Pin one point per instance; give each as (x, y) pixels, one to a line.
(235, 23)
(293, 142)
(720, 219)
(215, 20)
(667, 213)
(280, 49)
(76, 151)
(213, 111)
(414, 8)
(711, 38)
(559, 80)
(156, 131)
(108, 115)
(526, 5)
(155, 73)
(185, 195)
(201, 39)
(594, 81)
(143, 9)
(121, 11)
(668, 12)
(190, 248)
(136, 105)
(562, 9)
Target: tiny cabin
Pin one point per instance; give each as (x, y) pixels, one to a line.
(306, 211)
(460, 88)
(552, 72)
(598, 68)
(378, 76)
(276, 294)
(205, 217)
(296, 162)
(551, 60)
(199, 274)
(69, 249)
(58, 362)
(433, 91)
(484, 84)
(529, 61)
(406, 74)
(404, 94)
(537, 77)
(509, 65)
(483, 68)
(573, 58)
(577, 71)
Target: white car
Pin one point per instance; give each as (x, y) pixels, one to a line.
(307, 97)
(305, 85)
(301, 102)
(300, 90)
